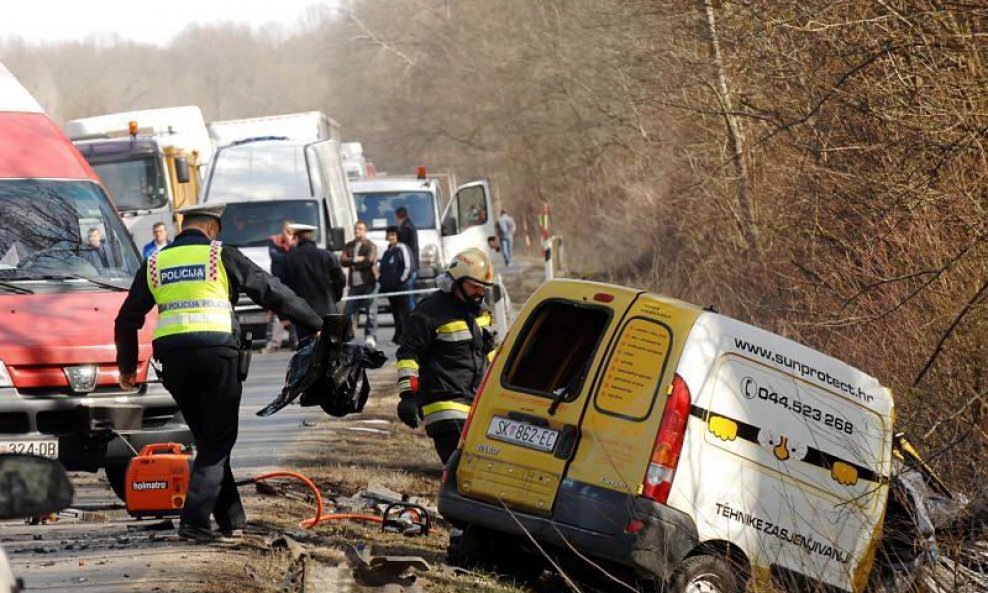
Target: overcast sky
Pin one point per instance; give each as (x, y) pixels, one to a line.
(139, 20)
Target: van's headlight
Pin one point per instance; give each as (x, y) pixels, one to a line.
(429, 255)
(153, 372)
(5, 380)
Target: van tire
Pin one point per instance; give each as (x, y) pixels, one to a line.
(706, 573)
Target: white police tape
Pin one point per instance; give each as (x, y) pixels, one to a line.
(384, 295)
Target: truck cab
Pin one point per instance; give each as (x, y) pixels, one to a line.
(265, 182)
(66, 264)
(148, 160)
(467, 220)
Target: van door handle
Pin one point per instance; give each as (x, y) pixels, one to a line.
(529, 418)
(568, 438)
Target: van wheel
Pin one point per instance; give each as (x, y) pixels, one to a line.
(469, 547)
(116, 475)
(706, 573)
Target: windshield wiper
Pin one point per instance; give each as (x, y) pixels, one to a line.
(76, 277)
(15, 288)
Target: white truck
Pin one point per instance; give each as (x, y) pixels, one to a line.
(354, 162)
(148, 160)
(308, 125)
(466, 220)
(267, 181)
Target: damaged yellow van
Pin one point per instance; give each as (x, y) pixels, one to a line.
(690, 447)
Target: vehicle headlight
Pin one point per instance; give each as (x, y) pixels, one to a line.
(153, 372)
(429, 255)
(5, 380)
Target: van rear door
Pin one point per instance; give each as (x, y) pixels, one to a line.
(525, 425)
(626, 405)
(469, 219)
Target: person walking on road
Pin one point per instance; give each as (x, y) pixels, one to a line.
(158, 241)
(409, 236)
(506, 231)
(396, 273)
(278, 247)
(194, 282)
(313, 274)
(443, 351)
(360, 256)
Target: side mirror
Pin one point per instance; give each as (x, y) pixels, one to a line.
(31, 486)
(449, 226)
(337, 239)
(182, 169)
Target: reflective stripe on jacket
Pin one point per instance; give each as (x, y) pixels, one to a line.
(191, 289)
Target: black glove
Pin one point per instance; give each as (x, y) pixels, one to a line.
(409, 411)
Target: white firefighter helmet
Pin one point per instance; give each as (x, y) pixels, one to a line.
(472, 264)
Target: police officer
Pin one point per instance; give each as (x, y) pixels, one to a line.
(194, 282)
(443, 351)
(313, 273)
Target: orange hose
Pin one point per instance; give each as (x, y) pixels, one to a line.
(308, 523)
(346, 517)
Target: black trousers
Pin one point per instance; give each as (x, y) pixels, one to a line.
(399, 309)
(447, 441)
(205, 384)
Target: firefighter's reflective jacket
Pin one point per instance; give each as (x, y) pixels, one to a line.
(442, 355)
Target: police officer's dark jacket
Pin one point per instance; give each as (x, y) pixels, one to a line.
(242, 274)
(443, 352)
(315, 275)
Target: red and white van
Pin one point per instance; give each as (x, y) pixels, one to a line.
(66, 263)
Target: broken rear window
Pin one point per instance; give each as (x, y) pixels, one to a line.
(553, 354)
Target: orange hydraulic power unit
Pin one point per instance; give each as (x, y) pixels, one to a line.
(158, 479)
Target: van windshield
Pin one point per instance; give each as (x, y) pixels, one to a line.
(134, 185)
(60, 229)
(378, 209)
(250, 224)
(259, 172)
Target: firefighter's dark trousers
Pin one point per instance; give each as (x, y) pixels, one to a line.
(447, 441)
(205, 384)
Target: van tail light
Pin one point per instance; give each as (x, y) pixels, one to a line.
(668, 443)
(476, 397)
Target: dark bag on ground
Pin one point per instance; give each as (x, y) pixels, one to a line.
(329, 373)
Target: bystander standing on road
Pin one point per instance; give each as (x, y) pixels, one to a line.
(506, 232)
(409, 236)
(194, 282)
(360, 256)
(396, 274)
(280, 331)
(158, 241)
(314, 274)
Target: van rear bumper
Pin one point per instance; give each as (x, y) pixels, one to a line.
(665, 538)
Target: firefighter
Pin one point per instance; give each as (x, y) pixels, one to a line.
(194, 282)
(443, 351)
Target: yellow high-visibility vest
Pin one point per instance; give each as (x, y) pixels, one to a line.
(192, 291)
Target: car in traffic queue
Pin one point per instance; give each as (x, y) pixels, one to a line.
(686, 446)
(66, 264)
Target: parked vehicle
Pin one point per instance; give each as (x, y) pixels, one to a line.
(30, 486)
(467, 220)
(693, 448)
(148, 160)
(66, 262)
(355, 164)
(264, 182)
(310, 125)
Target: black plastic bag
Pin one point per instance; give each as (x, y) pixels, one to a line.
(328, 373)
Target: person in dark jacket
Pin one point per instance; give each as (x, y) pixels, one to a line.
(409, 235)
(194, 282)
(314, 274)
(278, 247)
(360, 256)
(443, 352)
(395, 275)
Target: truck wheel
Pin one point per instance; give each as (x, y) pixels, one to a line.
(706, 573)
(116, 475)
